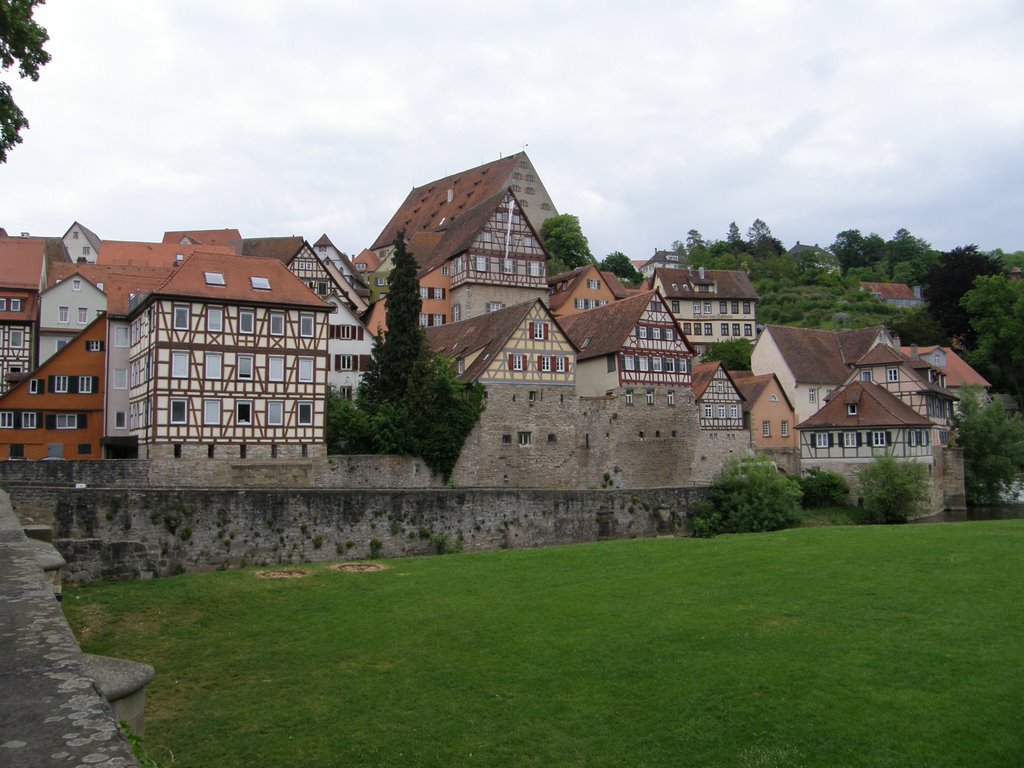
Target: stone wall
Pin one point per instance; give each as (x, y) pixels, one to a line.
(168, 531)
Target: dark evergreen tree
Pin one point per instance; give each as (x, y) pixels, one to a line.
(947, 282)
(735, 239)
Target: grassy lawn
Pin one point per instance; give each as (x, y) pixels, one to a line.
(849, 646)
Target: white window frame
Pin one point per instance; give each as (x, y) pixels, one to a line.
(277, 323)
(67, 421)
(181, 318)
(275, 361)
(64, 315)
(245, 362)
(6, 419)
(307, 326)
(178, 402)
(17, 338)
(211, 411)
(29, 420)
(60, 385)
(821, 439)
(878, 439)
(85, 385)
(307, 370)
(215, 319)
(120, 378)
(299, 408)
(179, 365)
(892, 375)
(239, 404)
(275, 413)
(247, 321)
(213, 366)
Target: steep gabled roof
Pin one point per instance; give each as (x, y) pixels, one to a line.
(604, 330)
(752, 386)
(324, 240)
(369, 258)
(426, 206)
(958, 372)
(702, 376)
(876, 407)
(880, 354)
(91, 236)
(221, 237)
(818, 356)
(284, 249)
(682, 284)
(190, 281)
(487, 333)
(121, 285)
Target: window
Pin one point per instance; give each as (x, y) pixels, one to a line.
(707, 329)
(878, 439)
(343, 363)
(215, 319)
(29, 420)
(629, 397)
(63, 314)
(180, 318)
(457, 312)
(214, 364)
(687, 330)
(851, 409)
(381, 281)
(671, 397)
(593, 285)
(849, 439)
(734, 411)
(76, 284)
(275, 413)
(245, 367)
(892, 374)
(437, 293)
(724, 329)
(214, 278)
(525, 439)
(561, 364)
(211, 412)
(60, 385)
(86, 250)
(6, 419)
(67, 421)
(746, 307)
(179, 411)
(723, 307)
(424, 293)
(120, 420)
(243, 413)
(538, 330)
(696, 308)
(735, 308)
(494, 306)
(707, 307)
(120, 378)
(784, 429)
(708, 411)
(85, 385)
(544, 363)
(865, 375)
(277, 324)
(821, 439)
(306, 326)
(259, 283)
(517, 362)
(536, 269)
(675, 306)
(246, 321)
(656, 364)
(644, 362)
(305, 369)
(766, 429)
(812, 395)
(35, 386)
(83, 315)
(735, 329)
(93, 345)
(17, 338)
(305, 414)
(748, 329)
(15, 305)
(650, 396)
(479, 263)
(275, 368)
(641, 331)
(179, 365)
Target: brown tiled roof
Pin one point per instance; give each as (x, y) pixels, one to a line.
(422, 247)
(876, 407)
(29, 302)
(162, 255)
(489, 333)
(284, 249)
(189, 281)
(121, 285)
(427, 205)
(891, 291)
(222, 237)
(21, 262)
(703, 374)
(681, 283)
(958, 372)
(818, 356)
(369, 258)
(571, 278)
(881, 354)
(619, 291)
(607, 327)
(751, 386)
(324, 240)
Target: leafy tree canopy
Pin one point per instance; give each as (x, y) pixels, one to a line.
(946, 283)
(748, 496)
(620, 265)
(993, 446)
(21, 43)
(996, 308)
(565, 243)
(893, 491)
(734, 354)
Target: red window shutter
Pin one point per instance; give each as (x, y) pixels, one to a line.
(337, 362)
(540, 359)
(359, 332)
(546, 331)
(364, 362)
(510, 362)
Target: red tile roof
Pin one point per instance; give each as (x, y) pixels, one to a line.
(21, 262)
(189, 281)
(427, 205)
(958, 372)
(890, 291)
(220, 237)
(752, 386)
(821, 357)
(284, 249)
(608, 327)
(135, 254)
(726, 284)
(876, 407)
(702, 376)
(29, 302)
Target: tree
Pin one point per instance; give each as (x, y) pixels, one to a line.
(403, 344)
(21, 42)
(995, 306)
(908, 258)
(565, 243)
(734, 354)
(855, 251)
(993, 446)
(917, 326)
(946, 283)
(747, 496)
(893, 491)
(696, 246)
(619, 264)
(735, 239)
(761, 243)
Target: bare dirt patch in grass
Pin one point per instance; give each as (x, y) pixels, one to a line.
(289, 573)
(359, 567)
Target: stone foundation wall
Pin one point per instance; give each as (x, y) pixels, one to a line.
(137, 533)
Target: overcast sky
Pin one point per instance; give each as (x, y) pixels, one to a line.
(645, 119)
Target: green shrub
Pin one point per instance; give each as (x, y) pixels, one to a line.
(376, 545)
(892, 491)
(823, 489)
(747, 496)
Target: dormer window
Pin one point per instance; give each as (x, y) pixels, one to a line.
(179, 257)
(260, 283)
(214, 278)
(851, 409)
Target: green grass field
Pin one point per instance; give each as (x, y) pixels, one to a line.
(846, 646)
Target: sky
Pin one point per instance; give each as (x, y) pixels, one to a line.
(644, 119)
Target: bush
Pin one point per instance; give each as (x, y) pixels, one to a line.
(893, 491)
(749, 495)
(823, 489)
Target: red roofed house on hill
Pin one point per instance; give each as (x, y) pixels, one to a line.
(228, 359)
(896, 294)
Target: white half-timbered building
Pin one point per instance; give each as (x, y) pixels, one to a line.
(718, 397)
(349, 347)
(228, 359)
(633, 347)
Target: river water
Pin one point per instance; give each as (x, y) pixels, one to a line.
(996, 512)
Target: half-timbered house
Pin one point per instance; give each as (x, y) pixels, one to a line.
(583, 288)
(712, 304)
(633, 348)
(718, 398)
(957, 372)
(228, 359)
(57, 411)
(23, 268)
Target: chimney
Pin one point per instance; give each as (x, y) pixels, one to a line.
(25, 234)
(700, 271)
(913, 352)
